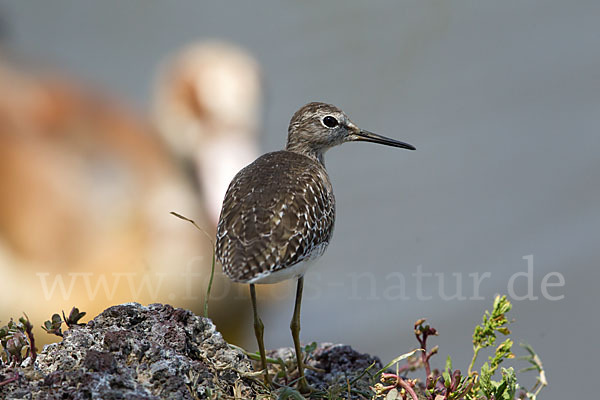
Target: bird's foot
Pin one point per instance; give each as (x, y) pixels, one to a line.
(303, 386)
(267, 380)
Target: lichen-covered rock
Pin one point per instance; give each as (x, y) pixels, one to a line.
(331, 367)
(136, 352)
(335, 362)
(132, 351)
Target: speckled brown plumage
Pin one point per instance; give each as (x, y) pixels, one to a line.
(278, 211)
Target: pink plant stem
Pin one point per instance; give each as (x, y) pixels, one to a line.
(408, 388)
(9, 380)
(425, 357)
(400, 382)
(32, 344)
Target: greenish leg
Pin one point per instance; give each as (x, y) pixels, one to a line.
(295, 327)
(259, 329)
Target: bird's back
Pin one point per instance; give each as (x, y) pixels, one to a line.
(278, 211)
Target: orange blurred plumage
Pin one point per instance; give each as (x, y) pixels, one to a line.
(87, 185)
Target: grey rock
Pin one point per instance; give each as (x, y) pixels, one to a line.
(132, 351)
(135, 352)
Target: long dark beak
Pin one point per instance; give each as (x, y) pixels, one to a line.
(366, 136)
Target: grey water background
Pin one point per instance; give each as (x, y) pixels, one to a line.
(502, 101)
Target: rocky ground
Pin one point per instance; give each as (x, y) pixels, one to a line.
(132, 351)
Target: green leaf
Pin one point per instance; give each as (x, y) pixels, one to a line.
(510, 380)
(485, 381)
(74, 317)
(448, 364)
(447, 379)
(397, 360)
(500, 390)
(309, 348)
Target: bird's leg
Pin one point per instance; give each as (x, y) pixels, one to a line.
(259, 329)
(295, 327)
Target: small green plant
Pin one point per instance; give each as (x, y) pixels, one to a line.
(536, 365)
(451, 384)
(422, 333)
(17, 341)
(53, 326)
(485, 334)
(74, 317)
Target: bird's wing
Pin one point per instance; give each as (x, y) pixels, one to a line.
(278, 211)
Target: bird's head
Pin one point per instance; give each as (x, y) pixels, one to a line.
(316, 127)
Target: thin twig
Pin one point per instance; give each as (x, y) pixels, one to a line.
(212, 267)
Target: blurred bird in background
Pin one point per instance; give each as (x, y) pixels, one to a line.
(208, 105)
(87, 185)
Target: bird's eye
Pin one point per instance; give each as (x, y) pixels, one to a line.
(330, 121)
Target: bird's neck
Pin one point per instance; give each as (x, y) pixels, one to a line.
(306, 150)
